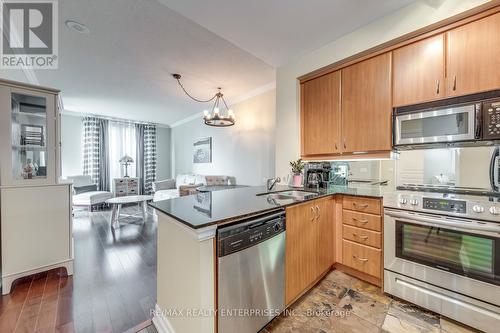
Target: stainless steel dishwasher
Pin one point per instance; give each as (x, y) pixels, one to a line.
(251, 273)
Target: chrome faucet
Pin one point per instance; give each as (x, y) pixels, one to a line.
(271, 182)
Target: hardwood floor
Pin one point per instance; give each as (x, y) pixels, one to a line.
(113, 287)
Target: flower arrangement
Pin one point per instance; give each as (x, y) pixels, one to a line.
(297, 166)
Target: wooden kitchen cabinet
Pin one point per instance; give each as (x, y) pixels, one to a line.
(419, 72)
(326, 227)
(363, 258)
(362, 238)
(367, 105)
(473, 56)
(320, 115)
(309, 245)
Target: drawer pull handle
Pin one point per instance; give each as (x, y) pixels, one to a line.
(360, 205)
(364, 221)
(362, 237)
(313, 212)
(360, 259)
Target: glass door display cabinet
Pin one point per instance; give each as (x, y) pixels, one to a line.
(28, 130)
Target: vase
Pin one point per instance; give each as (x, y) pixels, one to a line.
(297, 180)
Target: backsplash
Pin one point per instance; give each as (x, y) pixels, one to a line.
(462, 167)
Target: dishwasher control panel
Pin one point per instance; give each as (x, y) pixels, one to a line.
(248, 233)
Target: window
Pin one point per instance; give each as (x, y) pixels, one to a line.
(122, 141)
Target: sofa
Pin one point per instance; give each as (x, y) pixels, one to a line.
(85, 193)
(185, 184)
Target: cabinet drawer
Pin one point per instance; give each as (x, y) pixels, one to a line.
(362, 236)
(361, 220)
(362, 258)
(365, 205)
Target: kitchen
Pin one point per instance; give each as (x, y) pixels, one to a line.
(418, 107)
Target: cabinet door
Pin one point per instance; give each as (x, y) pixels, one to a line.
(28, 137)
(301, 242)
(474, 57)
(366, 105)
(320, 115)
(419, 72)
(326, 227)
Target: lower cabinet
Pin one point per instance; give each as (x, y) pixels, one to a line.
(363, 258)
(312, 237)
(309, 244)
(362, 242)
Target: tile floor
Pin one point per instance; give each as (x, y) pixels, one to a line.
(341, 303)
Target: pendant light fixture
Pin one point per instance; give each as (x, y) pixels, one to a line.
(220, 115)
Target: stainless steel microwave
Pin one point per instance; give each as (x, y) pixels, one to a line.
(465, 123)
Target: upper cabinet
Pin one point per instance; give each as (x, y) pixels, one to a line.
(28, 127)
(460, 59)
(473, 57)
(419, 74)
(320, 116)
(367, 105)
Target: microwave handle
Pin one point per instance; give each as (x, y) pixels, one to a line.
(478, 121)
(495, 169)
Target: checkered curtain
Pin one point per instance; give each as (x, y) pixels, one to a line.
(149, 158)
(91, 132)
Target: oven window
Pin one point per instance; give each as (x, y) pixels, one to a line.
(452, 124)
(454, 251)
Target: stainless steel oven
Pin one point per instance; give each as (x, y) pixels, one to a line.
(442, 125)
(444, 262)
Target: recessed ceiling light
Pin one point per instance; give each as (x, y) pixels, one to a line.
(77, 26)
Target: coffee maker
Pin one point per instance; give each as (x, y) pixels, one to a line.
(317, 174)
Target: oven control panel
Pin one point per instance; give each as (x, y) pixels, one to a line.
(491, 119)
(445, 205)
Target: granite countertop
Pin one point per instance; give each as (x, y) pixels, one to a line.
(220, 207)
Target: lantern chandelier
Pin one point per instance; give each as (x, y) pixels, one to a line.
(220, 115)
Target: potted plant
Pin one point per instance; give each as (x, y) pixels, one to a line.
(297, 168)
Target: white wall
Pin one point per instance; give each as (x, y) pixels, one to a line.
(245, 150)
(406, 20)
(163, 163)
(71, 149)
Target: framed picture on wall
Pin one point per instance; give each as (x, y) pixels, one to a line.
(202, 151)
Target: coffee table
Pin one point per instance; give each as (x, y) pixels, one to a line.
(119, 201)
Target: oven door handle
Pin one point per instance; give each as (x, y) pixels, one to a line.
(470, 226)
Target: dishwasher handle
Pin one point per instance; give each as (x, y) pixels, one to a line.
(249, 233)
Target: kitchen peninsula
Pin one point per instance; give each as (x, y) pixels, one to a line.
(188, 227)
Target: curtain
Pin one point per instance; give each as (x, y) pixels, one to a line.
(139, 135)
(122, 141)
(91, 134)
(106, 142)
(149, 158)
(104, 177)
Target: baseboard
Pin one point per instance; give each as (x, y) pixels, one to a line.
(7, 280)
(161, 323)
(360, 275)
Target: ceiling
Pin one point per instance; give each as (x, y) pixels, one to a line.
(122, 68)
(278, 31)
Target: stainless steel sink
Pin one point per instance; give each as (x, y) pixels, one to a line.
(295, 195)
